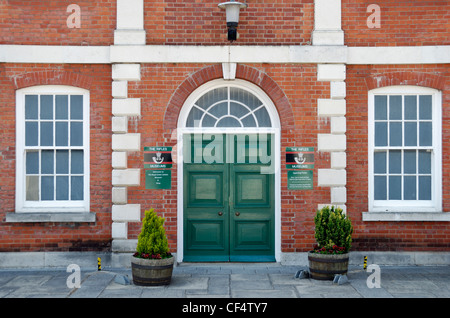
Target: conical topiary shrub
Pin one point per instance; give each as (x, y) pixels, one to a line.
(333, 235)
(152, 264)
(333, 231)
(152, 241)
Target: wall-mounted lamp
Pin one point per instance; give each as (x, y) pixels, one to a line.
(232, 8)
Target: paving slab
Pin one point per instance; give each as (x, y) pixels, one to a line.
(230, 281)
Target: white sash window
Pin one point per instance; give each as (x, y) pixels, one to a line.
(52, 149)
(405, 150)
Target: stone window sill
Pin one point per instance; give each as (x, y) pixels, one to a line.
(406, 216)
(63, 217)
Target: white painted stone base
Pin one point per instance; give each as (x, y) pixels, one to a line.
(88, 260)
(379, 258)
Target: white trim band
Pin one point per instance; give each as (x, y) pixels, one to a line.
(295, 54)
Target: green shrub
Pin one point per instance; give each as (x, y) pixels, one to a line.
(152, 241)
(333, 231)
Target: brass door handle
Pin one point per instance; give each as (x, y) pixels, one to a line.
(220, 213)
(237, 213)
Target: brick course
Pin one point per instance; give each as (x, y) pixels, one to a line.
(417, 23)
(45, 22)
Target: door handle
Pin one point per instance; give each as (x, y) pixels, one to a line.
(220, 213)
(237, 213)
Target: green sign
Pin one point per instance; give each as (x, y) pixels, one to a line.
(300, 157)
(157, 157)
(300, 180)
(158, 179)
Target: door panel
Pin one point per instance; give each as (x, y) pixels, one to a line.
(252, 214)
(205, 225)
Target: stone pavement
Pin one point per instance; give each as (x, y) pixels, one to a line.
(233, 280)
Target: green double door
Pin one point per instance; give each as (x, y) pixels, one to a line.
(228, 198)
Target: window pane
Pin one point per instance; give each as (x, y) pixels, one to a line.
(61, 107)
(380, 134)
(47, 188)
(76, 134)
(409, 161)
(32, 188)
(194, 117)
(76, 107)
(380, 188)
(379, 159)
(245, 97)
(410, 107)
(395, 186)
(410, 134)
(424, 161)
(76, 192)
(62, 161)
(395, 107)
(212, 97)
(208, 121)
(425, 110)
(424, 188)
(62, 134)
(395, 161)
(395, 134)
(380, 107)
(46, 106)
(409, 188)
(31, 107)
(219, 110)
(425, 134)
(62, 188)
(248, 121)
(238, 110)
(47, 162)
(31, 133)
(76, 163)
(228, 122)
(32, 162)
(263, 117)
(46, 134)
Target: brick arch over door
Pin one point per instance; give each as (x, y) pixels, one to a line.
(405, 78)
(243, 72)
(52, 77)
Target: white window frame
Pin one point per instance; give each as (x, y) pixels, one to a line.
(395, 206)
(23, 206)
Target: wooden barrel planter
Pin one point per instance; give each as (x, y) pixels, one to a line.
(151, 272)
(325, 266)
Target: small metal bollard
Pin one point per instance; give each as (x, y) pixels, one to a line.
(340, 279)
(99, 264)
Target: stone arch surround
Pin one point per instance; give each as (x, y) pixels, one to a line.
(244, 72)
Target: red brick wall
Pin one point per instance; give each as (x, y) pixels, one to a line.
(390, 236)
(58, 236)
(202, 22)
(294, 90)
(44, 22)
(403, 22)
